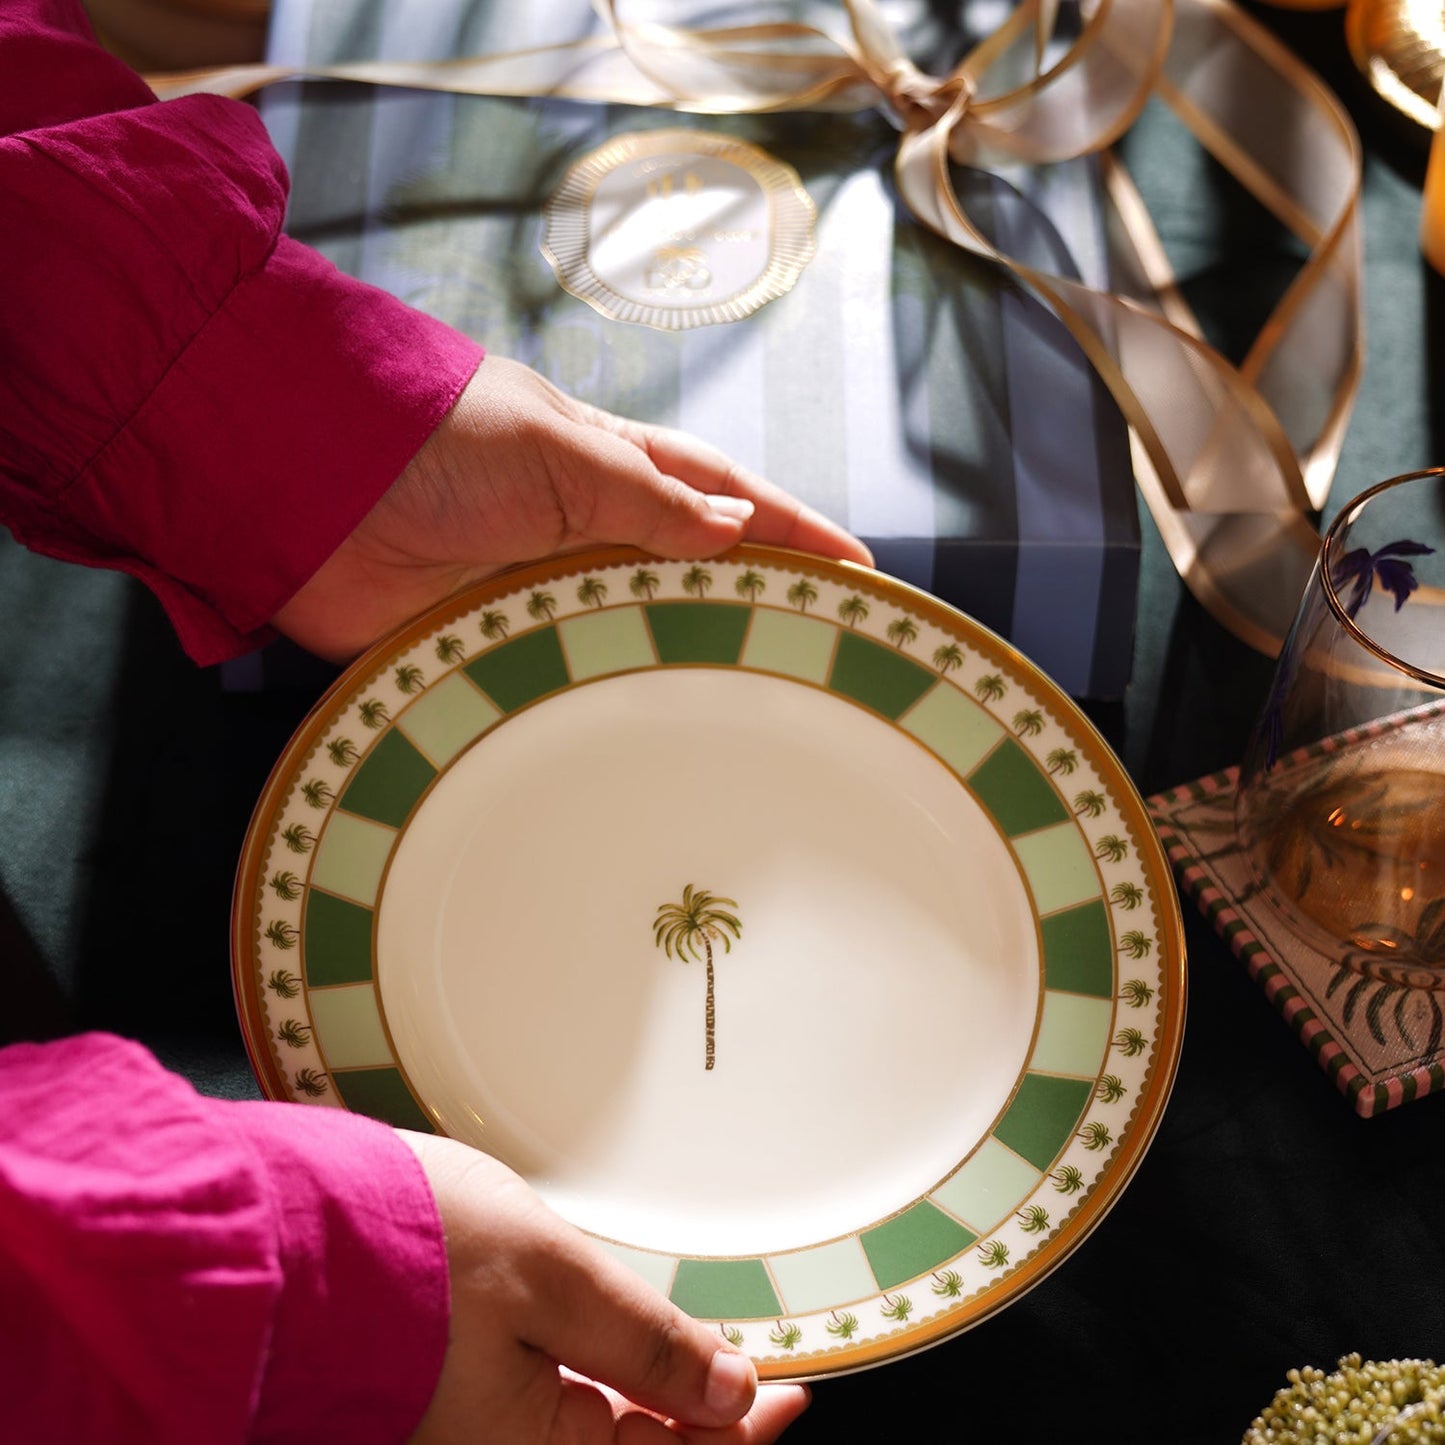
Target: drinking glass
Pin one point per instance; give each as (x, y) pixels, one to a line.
(1340, 805)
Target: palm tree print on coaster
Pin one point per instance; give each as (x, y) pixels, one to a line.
(687, 931)
(1380, 1041)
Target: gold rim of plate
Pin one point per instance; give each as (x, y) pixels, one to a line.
(1078, 1179)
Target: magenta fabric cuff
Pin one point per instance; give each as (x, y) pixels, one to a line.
(360, 1327)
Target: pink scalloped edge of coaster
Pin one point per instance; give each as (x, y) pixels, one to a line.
(1341, 1038)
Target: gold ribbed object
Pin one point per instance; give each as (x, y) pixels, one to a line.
(1399, 45)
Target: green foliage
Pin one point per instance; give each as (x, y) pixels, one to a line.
(852, 609)
(948, 657)
(801, 594)
(283, 983)
(287, 885)
(750, 585)
(409, 678)
(450, 648)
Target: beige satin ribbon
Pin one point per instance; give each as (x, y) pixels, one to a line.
(1231, 460)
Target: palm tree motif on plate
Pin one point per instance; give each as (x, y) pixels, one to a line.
(1034, 1219)
(994, 1254)
(1112, 847)
(948, 657)
(897, 1307)
(786, 1335)
(286, 884)
(494, 625)
(343, 752)
(801, 594)
(1062, 760)
(311, 1082)
(1127, 895)
(450, 648)
(901, 631)
(541, 606)
(297, 837)
(732, 1334)
(948, 1285)
(1090, 803)
(1068, 1178)
(1136, 944)
(750, 585)
(1130, 1042)
(843, 1326)
(373, 712)
(592, 592)
(1096, 1136)
(294, 1034)
(643, 583)
(696, 580)
(1029, 723)
(1136, 993)
(852, 609)
(282, 934)
(409, 678)
(990, 687)
(316, 792)
(283, 983)
(1110, 1089)
(687, 931)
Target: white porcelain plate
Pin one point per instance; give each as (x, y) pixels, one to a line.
(785, 928)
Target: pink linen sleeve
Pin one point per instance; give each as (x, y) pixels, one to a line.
(186, 394)
(177, 1269)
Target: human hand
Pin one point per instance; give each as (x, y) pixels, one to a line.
(535, 1306)
(519, 471)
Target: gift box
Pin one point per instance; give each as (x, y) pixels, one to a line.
(900, 386)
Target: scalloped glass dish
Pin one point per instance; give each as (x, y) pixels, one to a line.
(790, 932)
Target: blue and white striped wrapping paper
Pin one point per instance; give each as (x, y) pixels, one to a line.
(901, 387)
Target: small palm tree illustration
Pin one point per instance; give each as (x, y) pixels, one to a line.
(494, 625)
(1136, 993)
(844, 1325)
(990, 687)
(297, 837)
(450, 648)
(1130, 1042)
(1096, 1136)
(343, 752)
(1034, 1219)
(852, 609)
(750, 585)
(786, 1335)
(1029, 723)
(1361, 569)
(541, 606)
(311, 1083)
(902, 631)
(293, 1033)
(687, 931)
(409, 678)
(281, 934)
(801, 594)
(696, 580)
(592, 592)
(948, 1285)
(643, 583)
(1136, 944)
(1062, 760)
(948, 657)
(1068, 1179)
(286, 884)
(373, 712)
(1110, 1089)
(732, 1334)
(283, 983)
(1089, 803)
(316, 792)
(897, 1308)
(994, 1254)
(1127, 895)
(1112, 847)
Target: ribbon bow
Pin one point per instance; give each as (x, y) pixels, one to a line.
(1231, 460)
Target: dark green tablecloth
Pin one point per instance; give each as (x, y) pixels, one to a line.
(1267, 1227)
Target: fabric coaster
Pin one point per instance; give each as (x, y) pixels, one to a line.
(1380, 1042)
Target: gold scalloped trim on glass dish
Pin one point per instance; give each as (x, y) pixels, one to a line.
(679, 228)
(1399, 47)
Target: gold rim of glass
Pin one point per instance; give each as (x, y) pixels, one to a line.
(1346, 517)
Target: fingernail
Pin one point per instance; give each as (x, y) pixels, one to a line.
(736, 509)
(731, 1383)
